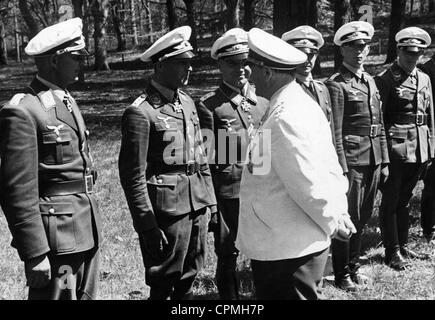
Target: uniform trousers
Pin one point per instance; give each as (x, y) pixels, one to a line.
(363, 186)
(73, 277)
(171, 275)
(428, 203)
(225, 233)
(289, 279)
(396, 194)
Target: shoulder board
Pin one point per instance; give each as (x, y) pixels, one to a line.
(207, 96)
(381, 73)
(183, 93)
(139, 100)
(319, 82)
(16, 99)
(332, 78)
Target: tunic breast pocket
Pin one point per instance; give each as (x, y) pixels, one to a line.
(356, 103)
(57, 148)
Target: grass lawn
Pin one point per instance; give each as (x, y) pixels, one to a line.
(102, 99)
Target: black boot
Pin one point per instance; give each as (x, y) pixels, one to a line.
(344, 282)
(226, 278)
(409, 254)
(356, 275)
(395, 260)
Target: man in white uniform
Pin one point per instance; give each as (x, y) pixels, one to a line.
(293, 192)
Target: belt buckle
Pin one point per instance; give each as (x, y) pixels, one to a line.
(374, 130)
(190, 169)
(89, 183)
(419, 119)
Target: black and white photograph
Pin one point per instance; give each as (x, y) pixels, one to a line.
(232, 152)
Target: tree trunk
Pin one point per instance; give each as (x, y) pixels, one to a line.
(396, 24)
(150, 21)
(28, 18)
(3, 48)
(191, 22)
(78, 12)
(100, 12)
(17, 37)
(292, 13)
(118, 17)
(248, 20)
(133, 22)
(342, 16)
(232, 13)
(281, 14)
(313, 14)
(172, 15)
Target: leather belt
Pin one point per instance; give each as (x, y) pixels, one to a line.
(188, 169)
(372, 131)
(65, 188)
(419, 119)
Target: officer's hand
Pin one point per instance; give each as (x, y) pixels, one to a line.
(345, 228)
(384, 173)
(38, 271)
(154, 240)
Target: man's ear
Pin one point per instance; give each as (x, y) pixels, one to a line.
(54, 60)
(268, 73)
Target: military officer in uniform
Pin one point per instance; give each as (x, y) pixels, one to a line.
(46, 176)
(229, 112)
(292, 192)
(361, 143)
(164, 171)
(406, 95)
(309, 41)
(428, 193)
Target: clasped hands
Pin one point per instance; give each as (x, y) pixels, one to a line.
(345, 228)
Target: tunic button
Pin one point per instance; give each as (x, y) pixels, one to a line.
(159, 181)
(51, 210)
(58, 139)
(374, 117)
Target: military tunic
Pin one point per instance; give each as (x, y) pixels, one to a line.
(167, 183)
(229, 115)
(408, 111)
(428, 193)
(361, 147)
(46, 182)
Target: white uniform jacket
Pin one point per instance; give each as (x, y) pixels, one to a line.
(291, 200)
